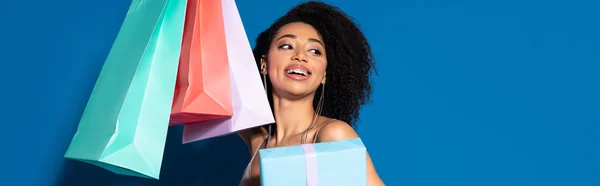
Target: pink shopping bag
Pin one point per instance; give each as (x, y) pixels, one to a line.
(202, 91)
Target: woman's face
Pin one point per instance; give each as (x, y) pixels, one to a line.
(296, 61)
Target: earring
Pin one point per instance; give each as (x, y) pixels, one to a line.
(268, 136)
(264, 77)
(265, 81)
(317, 114)
(320, 105)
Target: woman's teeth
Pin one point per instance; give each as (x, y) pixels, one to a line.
(297, 71)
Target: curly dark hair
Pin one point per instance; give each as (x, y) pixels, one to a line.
(349, 58)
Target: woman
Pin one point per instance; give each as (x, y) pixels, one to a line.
(316, 66)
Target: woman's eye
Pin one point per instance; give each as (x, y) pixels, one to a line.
(315, 51)
(285, 46)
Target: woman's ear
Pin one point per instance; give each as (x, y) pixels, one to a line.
(324, 78)
(263, 65)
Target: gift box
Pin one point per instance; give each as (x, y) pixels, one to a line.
(327, 164)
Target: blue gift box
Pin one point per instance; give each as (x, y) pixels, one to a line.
(335, 163)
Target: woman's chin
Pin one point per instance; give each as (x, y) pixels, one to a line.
(295, 92)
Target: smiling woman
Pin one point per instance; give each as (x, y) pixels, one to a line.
(312, 47)
(296, 61)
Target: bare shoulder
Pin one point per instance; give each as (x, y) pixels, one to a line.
(340, 130)
(336, 130)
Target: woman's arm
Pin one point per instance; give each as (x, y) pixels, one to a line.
(339, 130)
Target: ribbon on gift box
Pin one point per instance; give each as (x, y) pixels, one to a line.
(311, 164)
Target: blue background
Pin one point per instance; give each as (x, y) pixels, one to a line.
(470, 93)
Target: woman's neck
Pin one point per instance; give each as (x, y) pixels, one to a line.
(292, 116)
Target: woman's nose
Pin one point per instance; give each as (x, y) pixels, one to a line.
(299, 57)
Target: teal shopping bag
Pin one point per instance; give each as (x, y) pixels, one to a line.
(124, 125)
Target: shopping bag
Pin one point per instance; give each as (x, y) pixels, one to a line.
(250, 104)
(203, 90)
(124, 125)
(341, 162)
